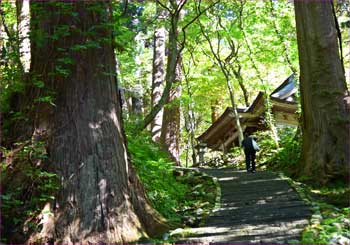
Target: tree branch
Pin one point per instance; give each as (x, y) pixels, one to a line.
(181, 5)
(174, 20)
(199, 13)
(126, 2)
(250, 52)
(8, 33)
(279, 35)
(164, 6)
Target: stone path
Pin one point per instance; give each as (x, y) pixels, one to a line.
(255, 208)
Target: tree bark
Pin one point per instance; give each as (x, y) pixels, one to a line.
(174, 52)
(137, 91)
(158, 75)
(238, 76)
(23, 16)
(225, 70)
(170, 132)
(101, 199)
(235, 111)
(324, 97)
(136, 101)
(189, 117)
(214, 107)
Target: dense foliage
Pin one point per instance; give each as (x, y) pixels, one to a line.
(27, 185)
(330, 221)
(284, 158)
(156, 172)
(176, 194)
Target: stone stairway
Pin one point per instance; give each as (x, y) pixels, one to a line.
(255, 208)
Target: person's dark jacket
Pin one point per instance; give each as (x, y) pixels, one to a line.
(247, 144)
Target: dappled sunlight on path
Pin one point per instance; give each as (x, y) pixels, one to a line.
(255, 208)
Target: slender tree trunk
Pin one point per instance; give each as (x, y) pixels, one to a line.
(238, 76)
(325, 100)
(101, 199)
(170, 132)
(173, 54)
(214, 107)
(137, 92)
(11, 34)
(190, 119)
(22, 100)
(158, 76)
(174, 12)
(137, 101)
(235, 112)
(224, 70)
(23, 17)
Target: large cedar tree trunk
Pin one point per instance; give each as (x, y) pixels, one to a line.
(158, 76)
(101, 199)
(324, 96)
(170, 132)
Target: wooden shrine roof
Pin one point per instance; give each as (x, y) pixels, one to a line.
(223, 132)
(286, 91)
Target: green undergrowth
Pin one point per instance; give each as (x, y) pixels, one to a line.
(232, 159)
(156, 173)
(330, 221)
(286, 157)
(184, 197)
(329, 225)
(26, 185)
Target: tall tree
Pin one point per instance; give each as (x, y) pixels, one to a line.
(325, 99)
(214, 107)
(158, 73)
(22, 7)
(137, 93)
(101, 199)
(170, 131)
(223, 63)
(173, 56)
(175, 47)
(268, 105)
(189, 116)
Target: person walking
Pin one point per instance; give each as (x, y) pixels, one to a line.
(250, 147)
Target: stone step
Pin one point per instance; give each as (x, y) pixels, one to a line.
(255, 208)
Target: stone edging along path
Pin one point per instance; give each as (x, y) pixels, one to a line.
(255, 208)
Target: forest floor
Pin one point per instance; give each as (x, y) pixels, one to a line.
(257, 207)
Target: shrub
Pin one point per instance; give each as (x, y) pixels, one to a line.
(26, 187)
(287, 156)
(155, 170)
